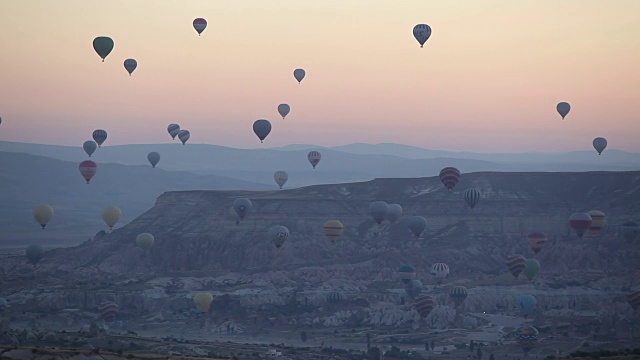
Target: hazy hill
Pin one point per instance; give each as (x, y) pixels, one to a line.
(338, 165)
(28, 180)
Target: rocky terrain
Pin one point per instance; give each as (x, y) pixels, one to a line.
(267, 294)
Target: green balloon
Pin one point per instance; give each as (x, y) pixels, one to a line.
(103, 46)
(531, 268)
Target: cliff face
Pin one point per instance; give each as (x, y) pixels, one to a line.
(199, 247)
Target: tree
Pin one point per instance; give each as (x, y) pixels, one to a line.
(479, 354)
(472, 346)
(303, 336)
(433, 346)
(368, 342)
(426, 346)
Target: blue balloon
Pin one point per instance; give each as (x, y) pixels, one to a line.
(130, 65)
(526, 304)
(262, 128)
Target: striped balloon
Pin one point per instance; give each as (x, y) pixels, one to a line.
(472, 196)
(424, 304)
(580, 223)
(333, 230)
(99, 136)
(130, 65)
(108, 310)
(516, 264)
(199, 24)
(458, 294)
(406, 272)
(184, 136)
(598, 221)
(537, 240)
(280, 177)
(633, 298)
(173, 130)
(527, 337)
(449, 177)
(440, 271)
(422, 33)
(314, 158)
(88, 169)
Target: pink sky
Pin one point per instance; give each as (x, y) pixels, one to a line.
(488, 79)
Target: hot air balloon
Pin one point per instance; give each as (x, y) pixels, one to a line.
(563, 109)
(314, 158)
(153, 158)
(422, 32)
(278, 234)
(599, 144)
(413, 288)
(111, 215)
(103, 46)
(417, 224)
(516, 264)
(130, 65)
(280, 177)
(472, 196)
(527, 337)
(145, 241)
(283, 110)
(406, 273)
(299, 74)
(184, 136)
(379, 210)
(458, 294)
(43, 214)
(203, 301)
(633, 298)
(580, 223)
(34, 253)
(108, 310)
(526, 304)
(241, 206)
(262, 128)
(199, 24)
(598, 221)
(394, 214)
(173, 130)
(0, 120)
(89, 147)
(99, 136)
(449, 177)
(531, 268)
(440, 271)
(88, 169)
(333, 230)
(630, 230)
(424, 304)
(537, 240)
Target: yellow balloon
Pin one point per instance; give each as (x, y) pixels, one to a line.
(599, 220)
(111, 215)
(43, 214)
(145, 241)
(333, 229)
(203, 301)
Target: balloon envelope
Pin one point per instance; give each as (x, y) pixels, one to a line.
(43, 214)
(108, 310)
(598, 221)
(99, 136)
(599, 144)
(449, 177)
(516, 265)
(88, 169)
(314, 158)
(241, 206)
(406, 273)
(203, 301)
(262, 128)
(379, 210)
(472, 196)
(130, 65)
(199, 24)
(153, 158)
(103, 46)
(526, 304)
(333, 230)
(440, 271)
(145, 241)
(417, 224)
(299, 74)
(580, 223)
(173, 130)
(394, 214)
(422, 32)
(283, 110)
(278, 234)
(424, 304)
(111, 215)
(280, 177)
(184, 135)
(89, 147)
(458, 294)
(537, 240)
(34, 253)
(563, 108)
(531, 268)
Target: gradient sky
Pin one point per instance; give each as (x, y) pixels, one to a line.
(487, 80)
